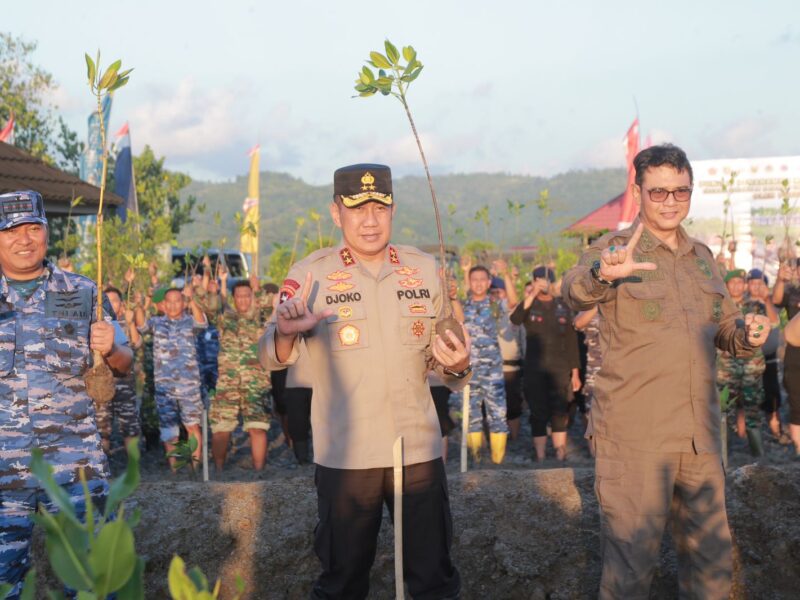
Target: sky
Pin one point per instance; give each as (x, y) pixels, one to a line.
(523, 87)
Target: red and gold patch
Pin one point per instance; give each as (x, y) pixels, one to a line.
(406, 271)
(341, 286)
(339, 275)
(347, 257)
(288, 290)
(344, 312)
(349, 335)
(417, 308)
(393, 258)
(410, 282)
(418, 328)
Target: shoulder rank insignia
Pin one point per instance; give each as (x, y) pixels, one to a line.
(407, 271)
(418, 328)
(347, 257)
(393, 258)
(349, 335)
(288, 290)
(410, 283)
(339, 275)
(342, 286)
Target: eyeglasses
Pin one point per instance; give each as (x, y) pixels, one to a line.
(681, 194)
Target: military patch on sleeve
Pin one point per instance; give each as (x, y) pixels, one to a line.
(651, 310)
(716, 310)
(704, 267)
(69, 304)
(288, 290)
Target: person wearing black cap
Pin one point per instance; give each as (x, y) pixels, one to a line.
(366, 312)
(551, 367)
(48, 333)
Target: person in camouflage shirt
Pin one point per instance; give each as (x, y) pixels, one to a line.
(243, 386)
(48, 330)
(175, 370)
(743, 376)
(124, 406)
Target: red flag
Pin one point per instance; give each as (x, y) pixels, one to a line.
(7, 133)
(629, 207)
(124, 130)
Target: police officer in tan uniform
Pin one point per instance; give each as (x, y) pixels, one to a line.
(655, 421)
(366, 311)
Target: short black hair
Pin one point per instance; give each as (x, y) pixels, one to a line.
(663, 154)
(112, 290)
(270, 288)
(240, 284)
(173, 289)
(479, 268)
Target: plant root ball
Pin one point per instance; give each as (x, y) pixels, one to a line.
(442, 325)
(100, 383)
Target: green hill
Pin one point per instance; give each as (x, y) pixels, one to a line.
(285, 198)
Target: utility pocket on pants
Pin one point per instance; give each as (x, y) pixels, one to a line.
(608, 478)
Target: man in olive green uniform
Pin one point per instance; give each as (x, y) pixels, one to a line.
(366, 314)
(655, 421)
(243, 386)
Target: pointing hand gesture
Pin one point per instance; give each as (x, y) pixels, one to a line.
(294, 316)
(617, 262)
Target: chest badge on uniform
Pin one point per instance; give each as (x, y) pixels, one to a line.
(418, 329)
(338, 275)
(406, 271)
(393, 258)
(704, 268)
(341, 287)
(651, 310)
(410, 283)
(349, 335)
(417, 308)
(345, 312)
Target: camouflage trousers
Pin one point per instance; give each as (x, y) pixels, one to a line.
(744, 378)
(236, 396)
(588, 386)
(16, 525)
(178, 402)
(487, 391)
(124, 407)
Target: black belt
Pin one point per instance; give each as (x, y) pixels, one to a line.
(512, 363)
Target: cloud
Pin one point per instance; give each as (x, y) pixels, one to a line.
(750, 136)
(788, 37)
(187, 121)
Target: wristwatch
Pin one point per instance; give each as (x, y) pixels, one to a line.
(595, 271)
(460, 374)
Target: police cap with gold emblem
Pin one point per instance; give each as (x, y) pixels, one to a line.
(17, 208)
(357, 184)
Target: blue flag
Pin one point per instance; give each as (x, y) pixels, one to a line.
(92, 159)
(124, 180)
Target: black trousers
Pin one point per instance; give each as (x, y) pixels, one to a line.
(441, 400)
(350, 503)
(298, 411)
(546, 394)
(513, 384)
(278, 381)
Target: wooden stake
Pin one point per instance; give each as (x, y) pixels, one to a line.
(464, 428)
(397, 452)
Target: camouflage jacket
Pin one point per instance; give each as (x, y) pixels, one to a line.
(44, 352)
(174, 351)
(238, 336)
(482, 320)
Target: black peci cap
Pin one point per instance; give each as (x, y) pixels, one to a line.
(357, 184)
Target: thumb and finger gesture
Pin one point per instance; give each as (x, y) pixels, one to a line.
(617, 262)
(756, 328)
(294, 316)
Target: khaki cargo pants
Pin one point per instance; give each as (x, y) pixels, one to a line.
(637, 492)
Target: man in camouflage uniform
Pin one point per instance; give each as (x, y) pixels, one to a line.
(243, 386)
(175, 370)
(482, 316)
(47, 333)
(124, 407)
(743, 376)
(588, 321)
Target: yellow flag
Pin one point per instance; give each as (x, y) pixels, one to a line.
(249, 239)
